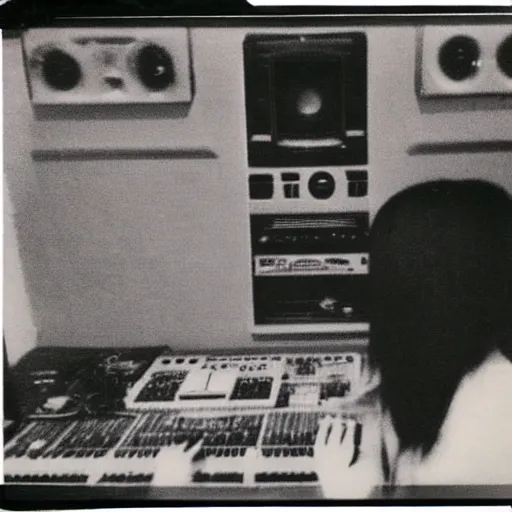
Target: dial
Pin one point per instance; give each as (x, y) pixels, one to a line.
(321, 185)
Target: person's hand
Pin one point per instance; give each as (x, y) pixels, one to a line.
(176, 464)
(341, 474)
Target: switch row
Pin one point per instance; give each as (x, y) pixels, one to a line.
(130, 478)
(301, 451)
(321, 185)
(229, 477)
(292, 476)
(74, 478)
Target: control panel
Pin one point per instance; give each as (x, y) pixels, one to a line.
(250, 381)
(62, 452)
(317, 264)
(310, 270)
(239, 448)
(256, 416)
(306, 99)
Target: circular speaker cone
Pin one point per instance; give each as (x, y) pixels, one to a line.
(504, 56)
(154, 67)
(60, 70)
(459, 57)
(309, 102)
(321, 185)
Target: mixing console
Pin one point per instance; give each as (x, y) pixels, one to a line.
(36, 438)
(187, 382)
(257, 419)
(290, 434)
(90, 438)
(62, 452)
(221, 435)
(162, 387)
(272, 447)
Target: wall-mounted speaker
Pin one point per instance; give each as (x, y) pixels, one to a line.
(98, 66)
(467, 60)
(306, 99)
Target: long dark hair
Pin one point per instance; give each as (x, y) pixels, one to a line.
(441, 297)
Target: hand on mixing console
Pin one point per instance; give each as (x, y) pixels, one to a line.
(176, 464)
(340, 472)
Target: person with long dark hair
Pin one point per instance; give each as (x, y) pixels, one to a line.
(441, 318)
(441, 306)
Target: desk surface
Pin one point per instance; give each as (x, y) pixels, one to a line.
(59, 496)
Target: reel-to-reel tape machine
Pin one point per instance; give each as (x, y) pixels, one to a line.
(109, 66)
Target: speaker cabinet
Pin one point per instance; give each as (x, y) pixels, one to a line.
(306, 99)
(98, 66)
(466, 60)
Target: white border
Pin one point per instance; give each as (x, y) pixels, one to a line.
(2, 251)
(379, 3)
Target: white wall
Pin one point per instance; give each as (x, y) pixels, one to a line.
(18, 325)
(19, 329)
(135, 252)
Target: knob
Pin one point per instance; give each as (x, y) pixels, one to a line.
(504, 56)
(321, 185)
(154, 67)
(60, 70)
(459, 58)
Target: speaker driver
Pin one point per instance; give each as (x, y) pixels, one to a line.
(308, 98)
(154, 67)
(504, 56)
(60, 70)
(309, 102)
(459, 58)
